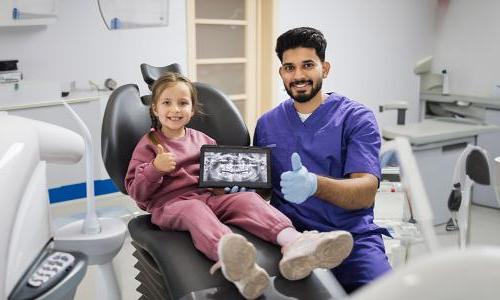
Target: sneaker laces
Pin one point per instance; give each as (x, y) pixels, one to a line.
(310, 232)
(304, 234)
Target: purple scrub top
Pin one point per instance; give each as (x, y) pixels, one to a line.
(339, 138)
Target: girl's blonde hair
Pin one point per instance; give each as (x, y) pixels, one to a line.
(165, 81)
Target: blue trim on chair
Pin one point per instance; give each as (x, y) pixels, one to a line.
(78, 190)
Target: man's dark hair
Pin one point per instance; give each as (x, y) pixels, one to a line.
(305, 37)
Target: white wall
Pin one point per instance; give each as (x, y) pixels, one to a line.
(372, 45)
(80, 47)
(468, 46)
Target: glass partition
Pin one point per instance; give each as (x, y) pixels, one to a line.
(124, 14)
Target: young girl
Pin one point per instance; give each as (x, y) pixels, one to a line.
(163, 179)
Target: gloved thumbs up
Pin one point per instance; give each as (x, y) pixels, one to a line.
(296, 162)
(299, 184)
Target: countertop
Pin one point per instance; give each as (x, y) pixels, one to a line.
(432, 131)
(487, 102)
(74, 97)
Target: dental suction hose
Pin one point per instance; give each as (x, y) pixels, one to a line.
(91, 224)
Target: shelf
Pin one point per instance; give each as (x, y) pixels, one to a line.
(32, 94)
(221, 22)
(28, 22)
(19, 13)
(216, 61)
(238, 97)
(488, 102)
(50, 103)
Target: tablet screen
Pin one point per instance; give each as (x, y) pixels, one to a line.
(226, 166)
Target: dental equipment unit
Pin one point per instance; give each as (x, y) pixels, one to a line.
(100, 239)
(447, 124)
(471, 273)
(31, 265)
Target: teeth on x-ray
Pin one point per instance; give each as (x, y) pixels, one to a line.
(235, 167)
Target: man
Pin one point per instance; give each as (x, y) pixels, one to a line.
(325, 167)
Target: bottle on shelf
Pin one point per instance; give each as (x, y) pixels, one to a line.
(446, 84)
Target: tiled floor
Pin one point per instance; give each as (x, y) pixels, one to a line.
(484, 231)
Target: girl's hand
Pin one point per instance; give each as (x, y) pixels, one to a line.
(164, 160)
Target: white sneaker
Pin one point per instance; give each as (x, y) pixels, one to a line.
(237, 262)
(315, 250)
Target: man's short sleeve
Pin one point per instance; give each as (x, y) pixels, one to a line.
(257, 134)
(363, 144)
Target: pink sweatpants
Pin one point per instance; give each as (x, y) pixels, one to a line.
(204, 215)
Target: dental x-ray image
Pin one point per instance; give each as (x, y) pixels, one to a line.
(223, 166)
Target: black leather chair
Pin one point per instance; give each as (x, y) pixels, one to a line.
(169, 265)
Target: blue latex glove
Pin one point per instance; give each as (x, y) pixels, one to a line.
(236, 189)
(389, 159)
(299, 184)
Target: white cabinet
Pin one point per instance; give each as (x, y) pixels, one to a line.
(436, 162)
(27, 92)
(27, 12)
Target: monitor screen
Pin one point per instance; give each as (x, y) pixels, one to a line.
(226, 166)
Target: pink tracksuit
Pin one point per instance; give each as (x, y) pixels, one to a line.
(176, 203)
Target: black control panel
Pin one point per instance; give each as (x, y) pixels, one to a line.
(53, 269)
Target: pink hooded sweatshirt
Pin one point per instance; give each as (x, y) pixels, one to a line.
(151, 188)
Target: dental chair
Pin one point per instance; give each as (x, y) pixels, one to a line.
(169, 265)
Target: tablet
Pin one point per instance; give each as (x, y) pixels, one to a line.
(227, 166)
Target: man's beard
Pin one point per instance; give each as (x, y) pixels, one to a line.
(304, 97)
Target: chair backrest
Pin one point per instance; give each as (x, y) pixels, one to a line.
(126, 120)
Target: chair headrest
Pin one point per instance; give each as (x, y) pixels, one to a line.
(151, 73)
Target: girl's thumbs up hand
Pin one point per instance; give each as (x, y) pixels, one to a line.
(164, 160)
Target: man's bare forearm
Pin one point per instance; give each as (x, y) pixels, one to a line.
(356, 192)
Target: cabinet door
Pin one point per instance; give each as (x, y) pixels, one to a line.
(222, 35)
(436, 164)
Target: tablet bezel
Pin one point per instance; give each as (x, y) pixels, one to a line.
(234, 149)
